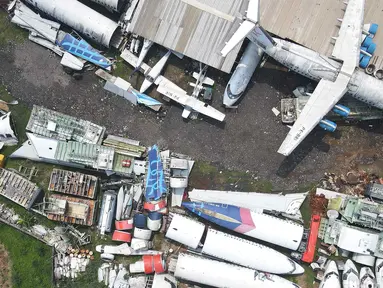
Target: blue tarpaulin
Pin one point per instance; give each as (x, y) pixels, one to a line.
(82, 49)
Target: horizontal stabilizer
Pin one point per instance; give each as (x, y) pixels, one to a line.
(261, 38)
(243, 30)
(206, 80)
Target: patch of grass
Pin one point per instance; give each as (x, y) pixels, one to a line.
(207, 176)
(25, 214)
(10, 32)
(201, 167)
(44, 170)
(309, 276)
(122, 69)
(31, 259)
(306, 212)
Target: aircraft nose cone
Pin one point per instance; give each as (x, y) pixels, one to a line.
(227, 101)
(298, 269)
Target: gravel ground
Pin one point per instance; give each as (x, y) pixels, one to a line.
(248, 140)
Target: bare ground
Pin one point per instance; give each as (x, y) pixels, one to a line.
(5, 268)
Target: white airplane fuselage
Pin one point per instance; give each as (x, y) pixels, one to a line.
(312, 65)
(242, 74)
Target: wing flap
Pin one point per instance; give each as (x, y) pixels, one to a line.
(347, 45)
(243, 30)
(324, 97)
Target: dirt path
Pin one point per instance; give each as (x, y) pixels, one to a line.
(5, 268)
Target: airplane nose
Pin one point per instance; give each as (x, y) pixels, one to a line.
(227, 101)
(298, 269)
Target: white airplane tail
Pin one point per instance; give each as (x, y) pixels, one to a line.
(250, 28)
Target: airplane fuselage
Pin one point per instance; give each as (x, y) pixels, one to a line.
(312, 65)
(242, 74)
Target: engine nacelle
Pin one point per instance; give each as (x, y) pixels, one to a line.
(341, 110)
(327, 125)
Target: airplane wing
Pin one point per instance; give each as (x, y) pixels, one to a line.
(347, 45)
(243, 30)
(165, 83)
(132, 60)
(324, 97)
(172, 91)
(252, 16)
(206, 80)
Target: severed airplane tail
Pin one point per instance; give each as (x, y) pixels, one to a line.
(251, 29)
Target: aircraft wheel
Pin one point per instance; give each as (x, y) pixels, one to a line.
(373, 28)
(68, 70)
(367, 42)
(77, 76)
(371, 49)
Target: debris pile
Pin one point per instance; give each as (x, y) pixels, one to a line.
(70, 264)
(352, 183)
(61, 238)
(318, 204)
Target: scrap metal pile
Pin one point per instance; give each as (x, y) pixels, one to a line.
(62, 238)
(349, 225)
(71, 263)
(142, 190)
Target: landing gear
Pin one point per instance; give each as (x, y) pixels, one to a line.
(75, 74)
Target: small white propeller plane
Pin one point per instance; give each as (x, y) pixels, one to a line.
(337, 75)
(170, 89)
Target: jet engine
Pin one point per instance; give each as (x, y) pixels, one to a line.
(328, 125)
(341, 110)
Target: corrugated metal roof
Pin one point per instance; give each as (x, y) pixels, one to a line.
(197, 29)
(312, 23)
